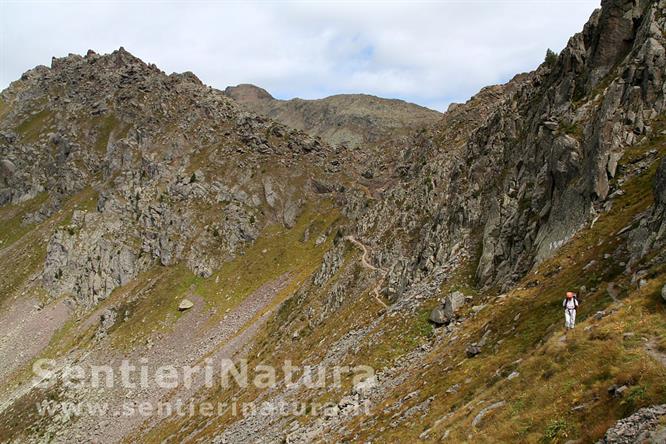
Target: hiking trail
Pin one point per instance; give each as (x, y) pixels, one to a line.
(368, 265)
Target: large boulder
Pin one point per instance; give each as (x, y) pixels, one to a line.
(185, 304)
(7, 168)
(448, 310)
(472, 350)
(452, 303)
(438, 316)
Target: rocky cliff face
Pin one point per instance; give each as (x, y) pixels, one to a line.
(539, 161)
(127, 193)
(351, 120)
(160, 152)
(601, 97)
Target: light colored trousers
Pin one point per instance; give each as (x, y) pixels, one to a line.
(569, 318)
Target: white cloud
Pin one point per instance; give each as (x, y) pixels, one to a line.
(430, 52)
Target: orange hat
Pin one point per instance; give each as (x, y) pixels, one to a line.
(570, 294)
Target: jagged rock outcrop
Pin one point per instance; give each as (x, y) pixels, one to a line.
(143, 139)
(561, 156)
(535, 163)
(650, 234)
(452, 303)
(644, 426)
(89, 258)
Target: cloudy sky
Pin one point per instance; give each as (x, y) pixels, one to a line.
(428, 52)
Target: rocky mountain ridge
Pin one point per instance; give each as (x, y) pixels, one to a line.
(140, 168)
(352, 120)
(550, 149)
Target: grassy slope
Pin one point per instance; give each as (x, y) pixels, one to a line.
(313, 345)
(34, 126)
(277, 251)
(12, 228)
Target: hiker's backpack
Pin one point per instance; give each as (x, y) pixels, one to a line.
(576, 303)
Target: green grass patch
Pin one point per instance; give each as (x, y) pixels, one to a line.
(34, 126)
(573, 129)
(4, 108)
(105, 126)
(397, 336)
(556, 429)
(159, 290)
(87, 203)
(11, 217)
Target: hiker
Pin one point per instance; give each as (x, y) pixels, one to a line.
(570, 305)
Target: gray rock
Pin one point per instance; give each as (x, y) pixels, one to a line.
(107, 320)
(331, 263)
(365, 387)
(644, 426)
(438, 316)
(472, 350)
(322, 187)
(185, 304)
(447, 312)
(621, 391)
(453, 303)
(290, 213)
(90, 258)
(484, 339)
(7, 168)
(197, 176)
(479, 417)
(617, 391)
(270, 194)
(453, 389)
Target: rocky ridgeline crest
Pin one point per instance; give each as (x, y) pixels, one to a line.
(155, 149)
(352, 120)
(537, 158)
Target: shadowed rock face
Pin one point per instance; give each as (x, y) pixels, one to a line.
(346, 119)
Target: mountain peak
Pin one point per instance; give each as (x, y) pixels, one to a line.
(247, 93)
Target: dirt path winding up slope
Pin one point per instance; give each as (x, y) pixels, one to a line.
(368, 265)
